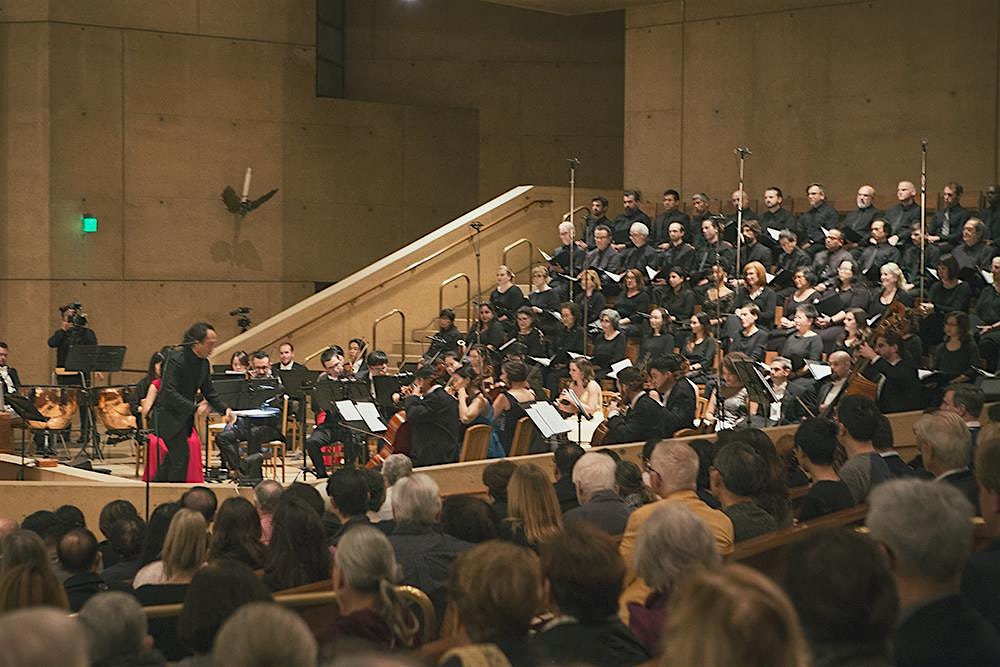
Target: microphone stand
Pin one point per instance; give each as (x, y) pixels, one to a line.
(573, 164)
(477, 226)
(741, 152)
(581, 410)
(923, 213)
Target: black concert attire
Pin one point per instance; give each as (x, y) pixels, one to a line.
(860, 220)
(957, 362)
(788, 409)
(910, 263)
(606, 352)
(977, 257)
(991, 218)
(945, 300)
(697, 237)
(874, 256)
(608, 259)
(328, 431)
(826, 264)
(802, 347)
(627, 306)
(655, 346)
(595, 303)
(679, 407)
(901, 218)
(878, 307)
(988, 312)
(435, 427)
(564, 341)
(702, 353)
(825, 497)
(639, 257)
(493, 336)
(815, 220)
(754, 252)
(560, 258)
(680, 305)
(255, 432)
(680, 255)
(505, 304)
(10, 382)
(549, 301)
(948, 223)
(659, 232)
(621, 225)
(764, 298)
(855, 296)
(589, 227)
(722, 253)
(780, 220)
(62, 341)
(902, 390)
(944, 631)
(754, 345)
(445, 340)
(535, 343)
(790, 261)
(642, 421)
(184, 373)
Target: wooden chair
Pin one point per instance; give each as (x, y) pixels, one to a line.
(600, 433)
(476, 443)
(523, 432)
(277, 458)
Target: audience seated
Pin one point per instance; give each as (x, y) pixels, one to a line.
(883, 441)
(738, 475)
(80, 557)
(298, 552)
(732, 616)
(496, 478)
(565, 457)
(116, 630)
(30, 585)
(150, 569)
(946, 449)
(469, 519)
(424, 554)
(46, 525)
(265, 498)
(347, 489)
(672, 543)
(125, 540)
(628, 479)
(236, 534)
(22, 547)
(495, 589)
(594, 478)
(394, 468)
(925, 530)
(364, 573)
(981, 577)
(858, 421)
(533, 512)
(815, 445)
(376, 498)
(41, 636)
(264, 634)
(201, 499)
(110, 513)
(773, 496)
(845, 597)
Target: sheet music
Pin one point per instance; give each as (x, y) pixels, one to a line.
(547, 419)
(373, 420)
(617, 366)
(575, 355)
(651, 273)
(547, 256)
(826, 232)
(617, 277)
(768, 277)
(988, 277)
(774, 233)
(348, 412)
(819, 371)
(924, 373)
(543, 362)
(933, 272)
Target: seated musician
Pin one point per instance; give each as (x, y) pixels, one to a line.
(286, 358)
(239, 362)
(474, 406)
(327, 429)
(568, 338)
(254, 431)
(354, 360)
(609, 344)
(833, 384)
(9, 380)
(588, 392)
(446, 339)
(900, 390)
(635, 416)
(434, 415)
(508, 407)
(793, 402)
(674, 392)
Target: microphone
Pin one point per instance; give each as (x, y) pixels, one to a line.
(575, 162)
(923, 145)
(742, 150)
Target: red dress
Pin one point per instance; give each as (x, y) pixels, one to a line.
(156, 451)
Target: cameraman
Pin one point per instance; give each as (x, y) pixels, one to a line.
(72, 331)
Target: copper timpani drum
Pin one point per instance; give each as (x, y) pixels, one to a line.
(58, 404)
(114, 410)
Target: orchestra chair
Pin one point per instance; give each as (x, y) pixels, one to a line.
(277, 458)
(475, 444)
(523, 432)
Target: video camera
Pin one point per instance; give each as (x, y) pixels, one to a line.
(79, 318)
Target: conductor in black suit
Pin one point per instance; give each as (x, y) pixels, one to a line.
(185, 371)
(643, 417)
(434, 415)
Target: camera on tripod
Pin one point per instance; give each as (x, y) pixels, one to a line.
(79, 318)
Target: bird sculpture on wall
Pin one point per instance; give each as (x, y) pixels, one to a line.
(240, 252)
(234, 204)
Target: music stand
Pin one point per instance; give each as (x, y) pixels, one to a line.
(86, 359)
(758, 390)
(26, 410)
(387, 385)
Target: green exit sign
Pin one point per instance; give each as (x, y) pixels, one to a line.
(89, 223)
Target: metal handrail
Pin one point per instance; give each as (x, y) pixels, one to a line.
(316, 353)
(417, 264)
(402, 331)
(568, 217)
(531, 252)
(468, 294)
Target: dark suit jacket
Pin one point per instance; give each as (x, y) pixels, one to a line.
(981, 582)
(184, 373)
(965, 481)
(641, 423)
(947, 631)
(435, 428)
(679, 408)
(565, 493)
(605, 509)
(902, 390)
(13, 378)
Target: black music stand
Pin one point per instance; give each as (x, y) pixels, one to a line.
(386, 386)
(87, 359)
(26, 410)
(758, 390)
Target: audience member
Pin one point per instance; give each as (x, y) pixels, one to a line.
(494, 591)
(298, 553)
(23, 547)
(125, 540)
(30, 585)
(265, 497)
(883, 442)
(364, 574)
(672, 543)
(706, 451)
(946, 449)
(201, 499)
(981, 578)
(600, 504)
(41, 636)
(347, 489)
(306, 494)
(469, 519)
(424, 554)
(496, 478)
(152, 548)
(46, 525)
(738, 475)
(673, 469)
(394, 468)
(966, 401)
(858, 421)
(925, 530)
(264, 634)
(71, 517)
(236, 534)
(533, 513)
(628, 479)
(585, 574)
(80, 557)
(116, 630)
(773, 497)
(566, 456)
(732, 616)
(217, 590)
(376, 498)
(845, 597)
(7, 526)
(815, 445)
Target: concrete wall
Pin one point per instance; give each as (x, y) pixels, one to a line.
(840, 92)
(546, 87)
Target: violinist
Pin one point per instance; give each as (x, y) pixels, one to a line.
(635, 416)
(900, 390)
(674, 392)
(434, 415)
(487, 330)
(451, 362)
(447, 337)
(734, 410)
(568, 339)
(592, 298)
(473, 405)
(529, 335)
(656, 337)
(509, 406)
(481, 361)
(588, 392)
(328, 429)
(354, 360)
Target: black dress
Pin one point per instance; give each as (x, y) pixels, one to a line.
(766, 300)
(627, 306)
(679, 305)
(507, 303)
(492, 336)
(549, 302)
(655, 346)
(535, 342)
(607, 352)
(595, 304)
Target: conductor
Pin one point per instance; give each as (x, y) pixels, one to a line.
(185, 371)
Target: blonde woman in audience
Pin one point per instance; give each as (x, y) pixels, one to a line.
(533, 513)
(184, 551)
(31, 584)
(732, 616)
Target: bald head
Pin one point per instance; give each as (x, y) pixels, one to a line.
(78, 551)
(905, 192)
(676, 466)
(840, 364)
